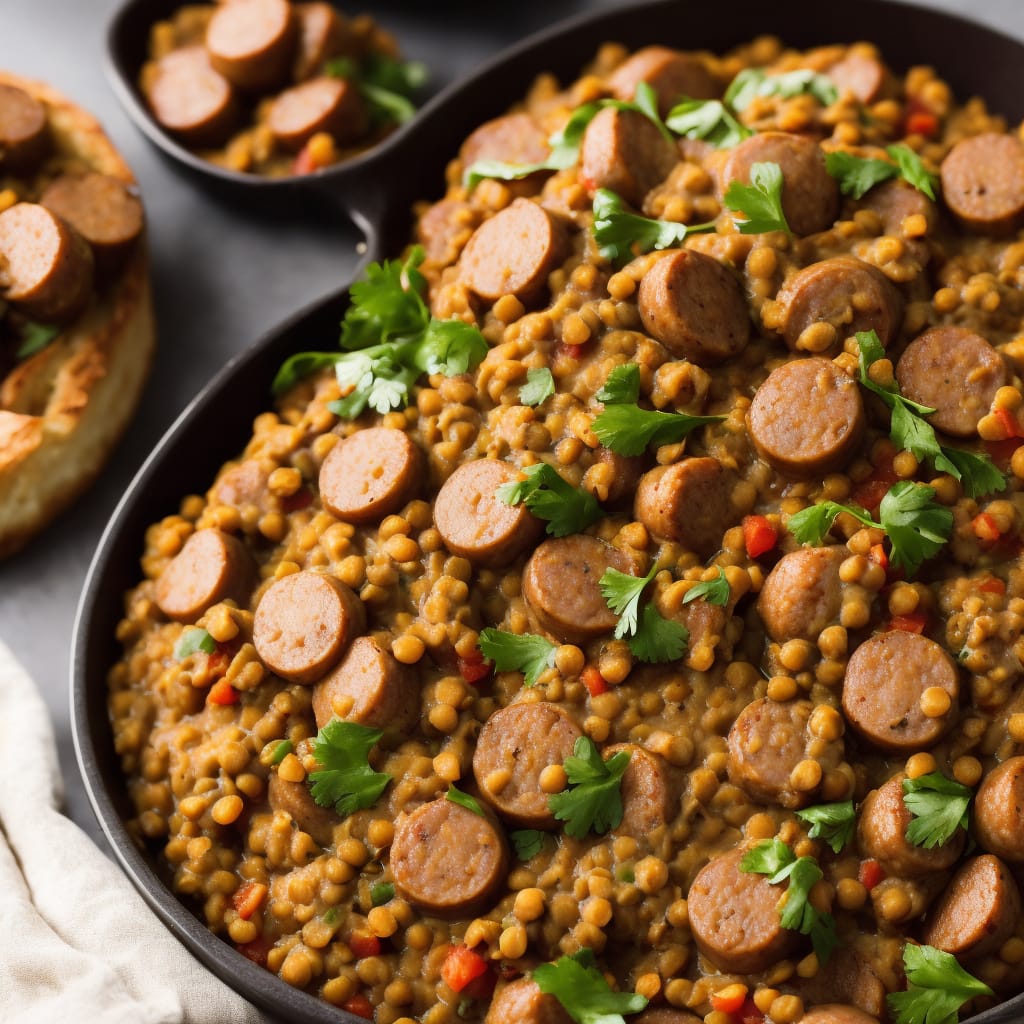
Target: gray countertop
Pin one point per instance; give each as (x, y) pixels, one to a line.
(210, 301)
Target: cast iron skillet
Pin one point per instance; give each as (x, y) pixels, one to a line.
(378, 190)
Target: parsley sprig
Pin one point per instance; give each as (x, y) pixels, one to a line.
(751, 83)
(938, 807)
(709, 120)
(528, 842)
(593, 803)
(908, 429)
(714, 591)
(938, 987)
(772, 857)
(621, 386)
(512, 652)
(651, 637)
(834, 823)
(566, 509)
(583, 992)
(456, 796)
(387, 86)
(857, 175)
(760, 202)
(345, 780)
(539, 386)
(621, 234)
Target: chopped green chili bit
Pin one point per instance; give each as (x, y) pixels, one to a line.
(192, 641)
(382, 892)
(281, 751)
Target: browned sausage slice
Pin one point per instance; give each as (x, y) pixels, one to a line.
(321, 36)
(23, 135)
(977, 912)
(954, 371)
(837, 1013)
(522, 1002)
(689, 502)
(734, 916)
(512, 138)
(46, 267)
(370, 474)
(106, 212)
(303, 624)
(695, 307)
(246, 483)
(446, 859)
(882, 833)
(252, 42)
(670, 73)
(803, 593)
(896, 200)
(885, 679)
(767, 741)
(624, 151)
(212, 566)
(367, 686)
(323, 104)
(295, 799)
(475, 523)
(663, 1015)
(514, 746)
(983, 183)
(807, 418)
(560, 584)
(864, 76)
(999, 811)
(191, 99)
(445, 228)
(849, 977)
(513, 252)
(650, 796)
(847, 294)
(810, 195)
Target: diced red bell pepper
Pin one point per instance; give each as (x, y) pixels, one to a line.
(570, 351)
(592, 679)
(877, 554)
(1008, 422)
(915, 622)
(870, 873)
(248, 897)
(474, 667)
(256, 951)
(359, 1005)
(993, 585)
(363, 945)
(730, 1000)
(749, 1013)
(920, 120)
(759, 536)
(222, 692)
(985, 528)
(872, 489)
(302, 498)
(461, 966)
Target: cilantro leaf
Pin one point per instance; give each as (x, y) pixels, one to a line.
(381, 893)
(374, 377)
(768, 857)
(387, 303)
(463, 800)
(539, 386)
(651, 637)
(621, 235)
(811, 524)
(621, 386)
(912, 169)
(976, 473)
(835, 823)
(709, 120)
(760, 202)
(566, 509)
(193, 640)
(938, 807)
(645, 100)
(938, 987)
(345, 780)
(386, 85)
(715, 591)
(511, 652)
(300, 365)
(448, 347)
(583, 992)
(528, 842)
(34, 338)
(858, 175)
(917, 526)
(753, 82)
(594, 801)
(628, 429)
(622, 593)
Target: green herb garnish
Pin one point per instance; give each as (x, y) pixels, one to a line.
(386, 85)
(281, 751)
(539, 386)
(834, 823)
(566, 509)
(651, 637)
(528, 842)
(760, 202)
(628, 429)
(193, 640)
(345, 780)
(708, 120)
(382, 892)
(622, 386)
(512, 652)
(858, 175)
(621, 234)
(583, 992)
(593, 803)
(753, 82)
(938, 807)
(464, 800)
(34, 338)
(938, 987)
(714, 591)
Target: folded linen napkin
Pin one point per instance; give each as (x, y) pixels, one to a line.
(77, 943)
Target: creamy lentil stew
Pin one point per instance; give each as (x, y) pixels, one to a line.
(342, 574)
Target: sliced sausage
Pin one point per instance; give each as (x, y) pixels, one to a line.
(252, 42)
(23, 135)
(837, 1013)
(999, 811)
(695, 307)
(663, 1015)
(626, 471)
(46, 267)
(689, 502)
(445, 227)
(475, 523)
(623, 151)
(803, 593)
(810, 195)
(734, 916)
(896, 200)
(515, 745)
(212, 566)
(849, 977)
(303, 624)
(671, 74)
(650, 795)
(882, 825)
(766, 743)
(983, 183)
(807, 418)
(863, 75)
(978, 911)
(522, 1002)
(246, 483)
(322, 33)
(105, 211)
(367, 686)
(512, 138)
(191, 99)
(847, 294)
(560, 584)
(513, 252)
(295, 799)
(370, 474)
(956, 372)
(324, 104)
(448, 860)
(885, 679)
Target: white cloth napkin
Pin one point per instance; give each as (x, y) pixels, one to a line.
(77, 943)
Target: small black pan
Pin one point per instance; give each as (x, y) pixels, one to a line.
(378, 190)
